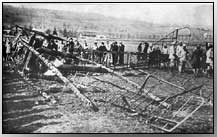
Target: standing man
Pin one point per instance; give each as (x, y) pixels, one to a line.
(145, 50)
(78, 47)
(165, 56)
(172, 56)
(55, 32)
(71, 45)
(93, 51)
(150, 55)
(108, 57)
(114, 50)
(179, 47)
(102, 49)
(85, 50)
(182, 58)
(196, 60)
(178, 50)
(139, 50)
(121, 53)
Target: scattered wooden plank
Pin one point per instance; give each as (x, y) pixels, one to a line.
(88, 68)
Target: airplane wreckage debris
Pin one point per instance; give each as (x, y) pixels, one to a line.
(163, 112)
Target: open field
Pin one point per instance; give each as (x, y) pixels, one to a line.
(21, 114)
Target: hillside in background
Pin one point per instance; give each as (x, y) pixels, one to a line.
(80, 22)
(43, 18)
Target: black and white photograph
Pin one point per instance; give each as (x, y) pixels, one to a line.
(91, 67)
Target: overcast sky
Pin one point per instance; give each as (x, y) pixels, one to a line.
(170, 13)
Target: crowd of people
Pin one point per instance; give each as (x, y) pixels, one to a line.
(175, 55)
(102, 52)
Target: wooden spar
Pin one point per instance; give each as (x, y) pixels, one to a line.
(64, 79)
(68, 68)
(56, 53)
(42, 33)
(160, 79)
(187, 91)
(111, 71)
(121, 88)
(127, 80)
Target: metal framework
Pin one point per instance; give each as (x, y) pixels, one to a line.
(173, 36)
(180, 107)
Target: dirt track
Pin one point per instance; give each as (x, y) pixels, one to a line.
(22, 115)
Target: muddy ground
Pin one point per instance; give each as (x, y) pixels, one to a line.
(25, 111)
